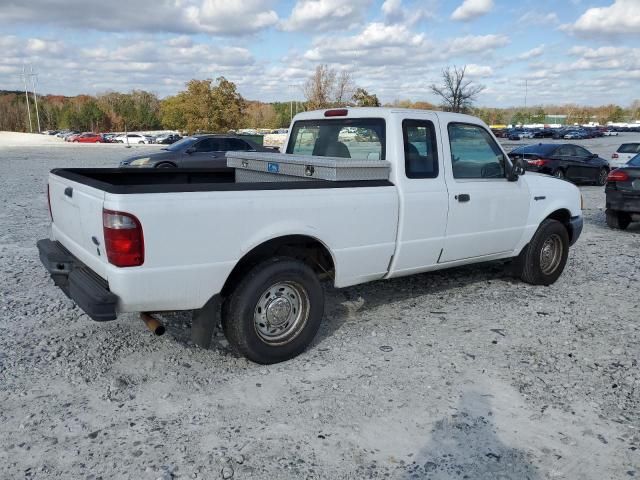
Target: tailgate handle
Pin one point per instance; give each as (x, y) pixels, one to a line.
(68, 192)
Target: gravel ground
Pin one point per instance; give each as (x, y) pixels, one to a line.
(459, 374)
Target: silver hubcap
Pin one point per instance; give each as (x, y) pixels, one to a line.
(281, 313)
(551, 254)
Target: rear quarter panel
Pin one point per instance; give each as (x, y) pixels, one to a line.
(193, 240)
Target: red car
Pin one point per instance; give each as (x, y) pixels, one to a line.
(88, 138)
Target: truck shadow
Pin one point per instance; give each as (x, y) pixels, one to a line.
(347, 304)
(466, 445)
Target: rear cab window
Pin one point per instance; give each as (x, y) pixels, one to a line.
(355, 138)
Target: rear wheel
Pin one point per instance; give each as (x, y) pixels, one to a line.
(603, 173)
(618, 220)
(274, 313)
(559, 173)
(544, 259)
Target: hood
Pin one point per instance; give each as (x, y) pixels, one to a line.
(154, 156)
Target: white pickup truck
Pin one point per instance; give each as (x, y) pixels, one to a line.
(255, 253)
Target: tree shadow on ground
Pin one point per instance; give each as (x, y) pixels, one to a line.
(466, 446)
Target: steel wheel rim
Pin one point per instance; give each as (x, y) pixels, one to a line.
(281, 313)
(559, 174)
(603, 176)
(551, 254)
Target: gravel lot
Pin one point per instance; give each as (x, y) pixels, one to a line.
(460, 374)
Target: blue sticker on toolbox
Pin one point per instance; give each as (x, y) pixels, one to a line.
(273, 167)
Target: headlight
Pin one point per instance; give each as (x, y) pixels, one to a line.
(140, 161)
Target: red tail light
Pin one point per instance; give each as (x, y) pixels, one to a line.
(337, 112)
(123, 239)
(618, 176)
(49, 201)
(540, 162)
(614, 155)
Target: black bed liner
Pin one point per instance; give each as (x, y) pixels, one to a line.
(143, 180)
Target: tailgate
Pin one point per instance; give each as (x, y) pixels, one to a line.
(77, 220)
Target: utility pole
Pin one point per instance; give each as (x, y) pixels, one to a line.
(526, 84)
(35, 96)
(26, 94)
(292, 86)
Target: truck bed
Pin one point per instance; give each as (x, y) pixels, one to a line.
(134, 181)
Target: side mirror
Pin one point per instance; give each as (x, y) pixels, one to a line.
(518, 168)
(594, 155)
(190, 150)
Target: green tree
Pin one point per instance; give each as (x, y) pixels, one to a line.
(362, 98)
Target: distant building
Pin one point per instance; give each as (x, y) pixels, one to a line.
(555, 119)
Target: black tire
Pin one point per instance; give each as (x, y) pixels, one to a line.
(603, 173)
(165, 165)
(242, 309)
(618, 220)
(559, 173)
(550, 236)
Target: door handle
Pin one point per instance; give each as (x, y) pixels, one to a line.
(68, 192)
(463, 197)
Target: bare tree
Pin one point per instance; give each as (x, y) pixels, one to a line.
(318, 90)
(457, 93)
(326, 88)
(344, 89)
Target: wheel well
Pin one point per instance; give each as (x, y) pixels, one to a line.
(564, 217)
(165, 163)
(307, 249)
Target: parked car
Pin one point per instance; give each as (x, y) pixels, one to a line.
(163, 240)
(543, 133)
(610, 133)
(624, 153)
(575, 135)
(88, 138)
(168, 139)
(198, 151)
(623, 195)
(566, 161)
(72, 136)
(131, 138)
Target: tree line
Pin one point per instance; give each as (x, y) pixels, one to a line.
(217, 106)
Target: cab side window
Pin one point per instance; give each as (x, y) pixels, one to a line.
(420, 152)
(474, 153)
(208, 145)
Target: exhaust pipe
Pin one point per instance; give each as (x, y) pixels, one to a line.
(152, 324)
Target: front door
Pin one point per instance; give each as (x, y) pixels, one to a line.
(487, 213)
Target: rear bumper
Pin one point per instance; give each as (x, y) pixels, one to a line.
(622, 202)
(80, 283)
(576, 223)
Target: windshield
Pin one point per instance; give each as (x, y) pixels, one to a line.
(357, 138)
(635, 161)
(180, 144)
(629, 148)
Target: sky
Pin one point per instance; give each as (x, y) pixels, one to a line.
(551, 51)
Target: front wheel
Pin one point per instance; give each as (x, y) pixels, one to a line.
(603, 173)
(544, 259)
(275, 311)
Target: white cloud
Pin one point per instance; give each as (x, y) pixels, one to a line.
(324, 15)
(533, 53)
(219, 17)
(535, 17)
(471, 9)
(620, 18)
(476, 44)
(478, 71)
